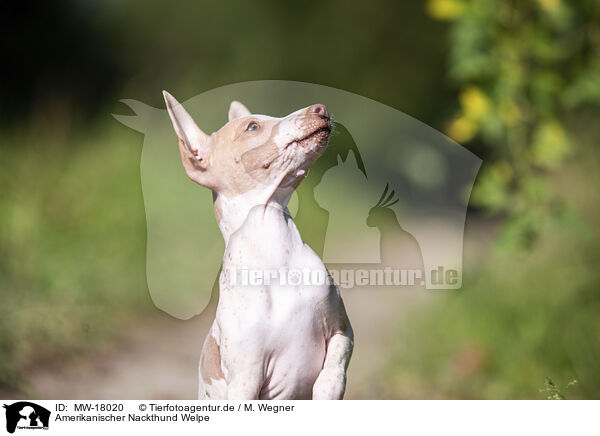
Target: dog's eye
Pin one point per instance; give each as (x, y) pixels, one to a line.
(252, 127)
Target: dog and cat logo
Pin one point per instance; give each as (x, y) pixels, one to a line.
(26, 415)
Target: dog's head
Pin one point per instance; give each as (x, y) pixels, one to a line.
(251, 151)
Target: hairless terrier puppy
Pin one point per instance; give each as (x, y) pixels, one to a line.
(273, 340)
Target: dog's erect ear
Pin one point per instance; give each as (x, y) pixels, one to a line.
(193, 143)
(238, 110)
(186, 129)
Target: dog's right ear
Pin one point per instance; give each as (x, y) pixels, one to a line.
(193, 143)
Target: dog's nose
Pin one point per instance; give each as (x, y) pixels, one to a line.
(318, 109)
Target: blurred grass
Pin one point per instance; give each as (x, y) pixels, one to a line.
(72, 244)
(517, 320)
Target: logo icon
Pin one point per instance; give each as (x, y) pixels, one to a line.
(26, 415)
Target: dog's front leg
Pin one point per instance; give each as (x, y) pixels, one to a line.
(331, 382)
(245, 369)
(245, 385)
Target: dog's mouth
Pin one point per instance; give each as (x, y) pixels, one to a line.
(317, 138)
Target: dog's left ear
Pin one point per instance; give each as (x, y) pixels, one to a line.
(194, 145)
(238, 110)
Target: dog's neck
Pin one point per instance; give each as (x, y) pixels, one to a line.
(233, 213)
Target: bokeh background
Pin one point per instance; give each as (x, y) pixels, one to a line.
(517, 83)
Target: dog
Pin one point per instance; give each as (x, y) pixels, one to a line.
(273, 340)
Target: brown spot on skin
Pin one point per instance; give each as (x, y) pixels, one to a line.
(193, 156)
(211, 361)
(260, 158)
(234, 143)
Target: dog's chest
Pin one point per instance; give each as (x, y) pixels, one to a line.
(283, 286)
(274, 292)
(282, 331)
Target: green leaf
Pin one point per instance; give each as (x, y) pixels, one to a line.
(491, 190)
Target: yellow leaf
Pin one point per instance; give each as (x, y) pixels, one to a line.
(474, 102)
(444, 9)
(462, 129)
(549, 5)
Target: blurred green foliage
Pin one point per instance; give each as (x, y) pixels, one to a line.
(72, 242)
(524, 325)
(87, 55)
(524, 68)
(517, 320)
